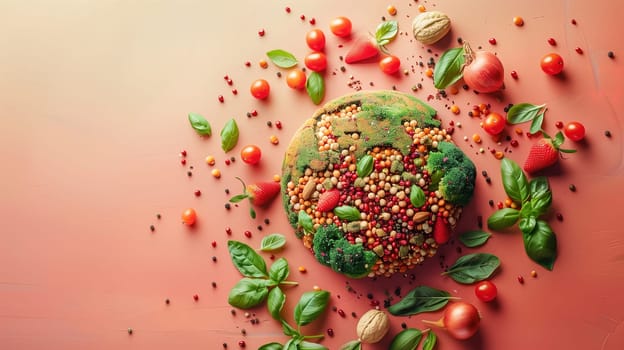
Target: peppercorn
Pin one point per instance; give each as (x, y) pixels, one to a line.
(152, 228)
(514, 74)
(607, 133)
(572, 188)
(610, 54)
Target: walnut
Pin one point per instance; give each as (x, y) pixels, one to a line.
(373, 326)
(431, 26)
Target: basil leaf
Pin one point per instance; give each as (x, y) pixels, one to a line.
(430, 341)
(291, 344)
(279, 270)
(306, 345)
(417, 196)
(541, 196)
(448, 70)
(315, 86)
(503, 218)
(527, 224)
(310, 306)
(473, 268)
(200, 124)
(288, 329)
(305, 221)
(365, 166)
(347, 212)
(514, 181)
(407, 339)
(246, 260)
(271, 346)
(248, 292)
(420, 299)
(229, 135)
(541, 245)
(275, 303)
(238, 198)
(385, 32)
(536, 124)
(272, 242)
(282, 59)
(476, 238)
(523, 112)
(352, 345)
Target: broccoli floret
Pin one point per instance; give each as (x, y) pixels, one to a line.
(332, 249)
(452, 173)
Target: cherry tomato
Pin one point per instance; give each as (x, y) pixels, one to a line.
(340, 26)
(260, 89)
(316, 61)
(251, 154)
(575, 131)
(315, 39)
(189, 216)
(486, 291)
(390, 64)
(494, 123)
(296, 79)
(552, 64)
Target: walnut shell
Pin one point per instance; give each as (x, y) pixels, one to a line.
(373, 326)
(431, 26)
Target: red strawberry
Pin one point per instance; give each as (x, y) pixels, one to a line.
(361, 50)
(441, 231)
(328, 200)
(545, 153)
(259, 194)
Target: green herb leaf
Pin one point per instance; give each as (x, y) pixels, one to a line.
(365, 166)
(291, 344)
(527, 224)
(430, 341)
(229, 135)
(385, 32)
(248, 292)
(238, 198)
(420, 299)
(541, 245)
(448, 70)
(541, 195)
(305, 221)
(275, 303)
(272, 242)
(252, 213)
(352, 345)
(524, 112)
(417, 196)
(406, 339)
(315, 86)
(536, 124)
(279, 270)
(246, 260)
(473, 268)
(347, 212)
(503, 218)
(288, 329)
(514, 181)
(306, 345)
(282, 59)
(310, 306)
(271, 346)
(200, 124)
(475, 238)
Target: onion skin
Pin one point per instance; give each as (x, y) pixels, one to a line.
(461, 320)
(484, 72)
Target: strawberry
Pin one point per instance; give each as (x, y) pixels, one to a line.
(545, 153)
(369, 47)
(441, 231)
(328, 200)
(260, 194)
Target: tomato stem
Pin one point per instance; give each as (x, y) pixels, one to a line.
(438, 323)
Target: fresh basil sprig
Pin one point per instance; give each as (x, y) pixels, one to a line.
(534, 198)
(473, 268)
(315, 86)
(420, 299)
(475, 238)
(272, 242)
(448, 70)
(385, 32)
(200, 124)
(524, 112)
(282, 59)
(229, 135)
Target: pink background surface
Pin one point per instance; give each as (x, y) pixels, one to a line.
(93, 103)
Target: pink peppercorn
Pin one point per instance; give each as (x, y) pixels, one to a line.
(242, 343)
(221, 99)
(248, 234)
(287, 9)
(228, 230)
(578, 50)
(552, 42)
(341, 312)
(514, 74)
(261, 32)
(521, 279)
(197, 193)
(492, 41)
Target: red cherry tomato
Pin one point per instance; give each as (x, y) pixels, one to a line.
(316, 39)
(189, 216)
(390, 64)
(251, 154)
(340, 26)
(552, 64)
(494, 124)
(316, 61)
(296, 79)
(486, 291)
(260, 89)
(575, 131)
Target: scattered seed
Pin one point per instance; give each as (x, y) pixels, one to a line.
(130, 331)
(221, 98)
(248, 234)
(572, 188)
(167, 301)
(518, 21)
(521, 279)
(214, 284)
(197, 193)
(196, 297)
(330, 332)
(227, 206)
(610, 54)
(492, 41)
(559, 216)
(341, 312)
(533, 273)
(573, 21)
(216, 173)
(514, 74)
(552, 42)
(152, 228)
(242, 343)
(578, 50)
(302, 269)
